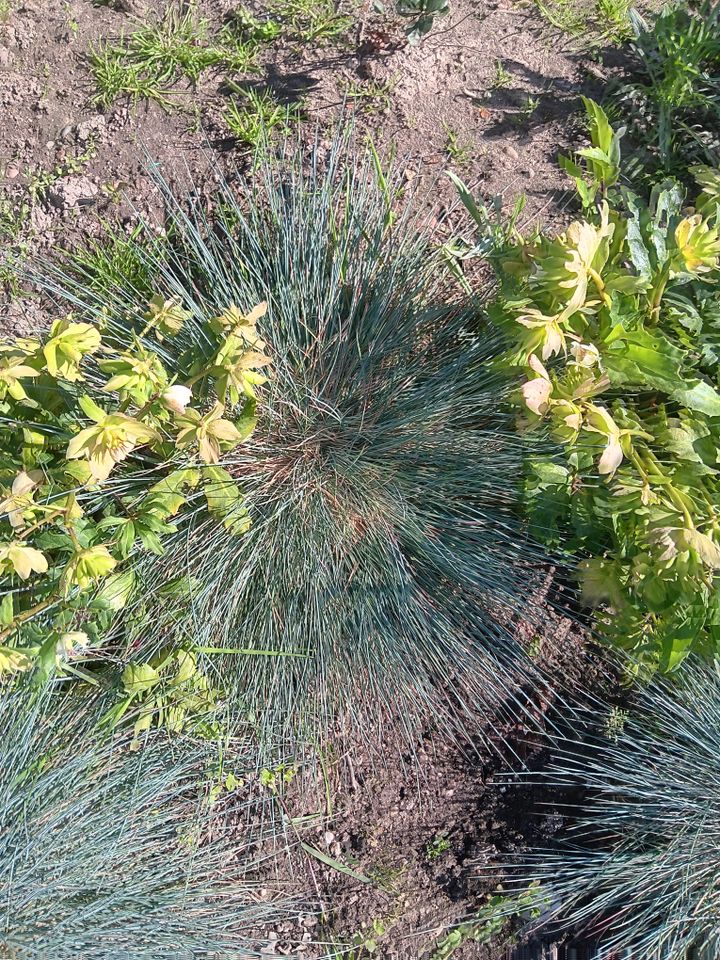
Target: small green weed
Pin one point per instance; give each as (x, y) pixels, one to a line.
(458, 153)
(70, 18)
(527, 111)
(615, 723)
(39, 179)
(501, 76)
(373, 95)
(256, 115)
(14, 221)
(107, 266)
(365, 943)
(277, 778)
(244, 27)
(150, 63)
(4, 11)
(310, 20)
(491, 921)
(386, 876)
(437, 847)
(615, 14)
(567, 15)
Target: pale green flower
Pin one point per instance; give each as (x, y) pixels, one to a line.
(110, 440)
(23, 560)
(14, 367)
(166, 317)
(69, 342)
(21, 496)
(13, 661)
(235, 369)
(138, 375)
(88, 566)
(698, 244)
(208, 432)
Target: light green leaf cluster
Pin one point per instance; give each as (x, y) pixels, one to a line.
(104, 457)
(614, 330)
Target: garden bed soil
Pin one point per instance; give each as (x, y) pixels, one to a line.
(432, 824)
(493, 75)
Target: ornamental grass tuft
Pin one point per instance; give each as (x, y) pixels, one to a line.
(638, 869)
(107, 851)
(379, 558)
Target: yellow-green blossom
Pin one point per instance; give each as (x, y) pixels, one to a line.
(14, 367)
(166, 317)
(23, 560)
(234, 320)
(211, 433)
(547, 334)
(69, 342)
(235, 368)
(139, 375)
(13, 661)
(88, 566)
(599, 420)
(21, 496)
(698, 244)
(110, 440)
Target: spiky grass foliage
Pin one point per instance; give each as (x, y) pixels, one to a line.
(381, 479)
(640, 867)
(108, 853)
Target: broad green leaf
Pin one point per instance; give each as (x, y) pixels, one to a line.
(6, 610)
(139, 677)
(700, 397)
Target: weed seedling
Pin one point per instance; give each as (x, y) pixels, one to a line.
(373, 95)
(242, 26)
(149, 63)
(437, 847)
(616, 14)
(70, 19)
(526, 111)
(308, 20)
(501, 76)
(251, 119)
(565, 15)
(458, 153)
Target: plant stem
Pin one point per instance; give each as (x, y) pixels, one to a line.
(658, 290)
(27, 615)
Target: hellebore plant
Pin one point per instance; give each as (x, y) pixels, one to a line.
(614, 327)
(106, 451)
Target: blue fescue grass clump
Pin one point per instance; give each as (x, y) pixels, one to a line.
(107, 853)
(384, 554)
(640, 867)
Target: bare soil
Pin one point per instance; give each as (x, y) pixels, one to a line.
(493, 76)
(424, 828)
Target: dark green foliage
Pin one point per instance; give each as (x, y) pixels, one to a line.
(640, 867)
(384, 556)
(108, 853)
(674, 99)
